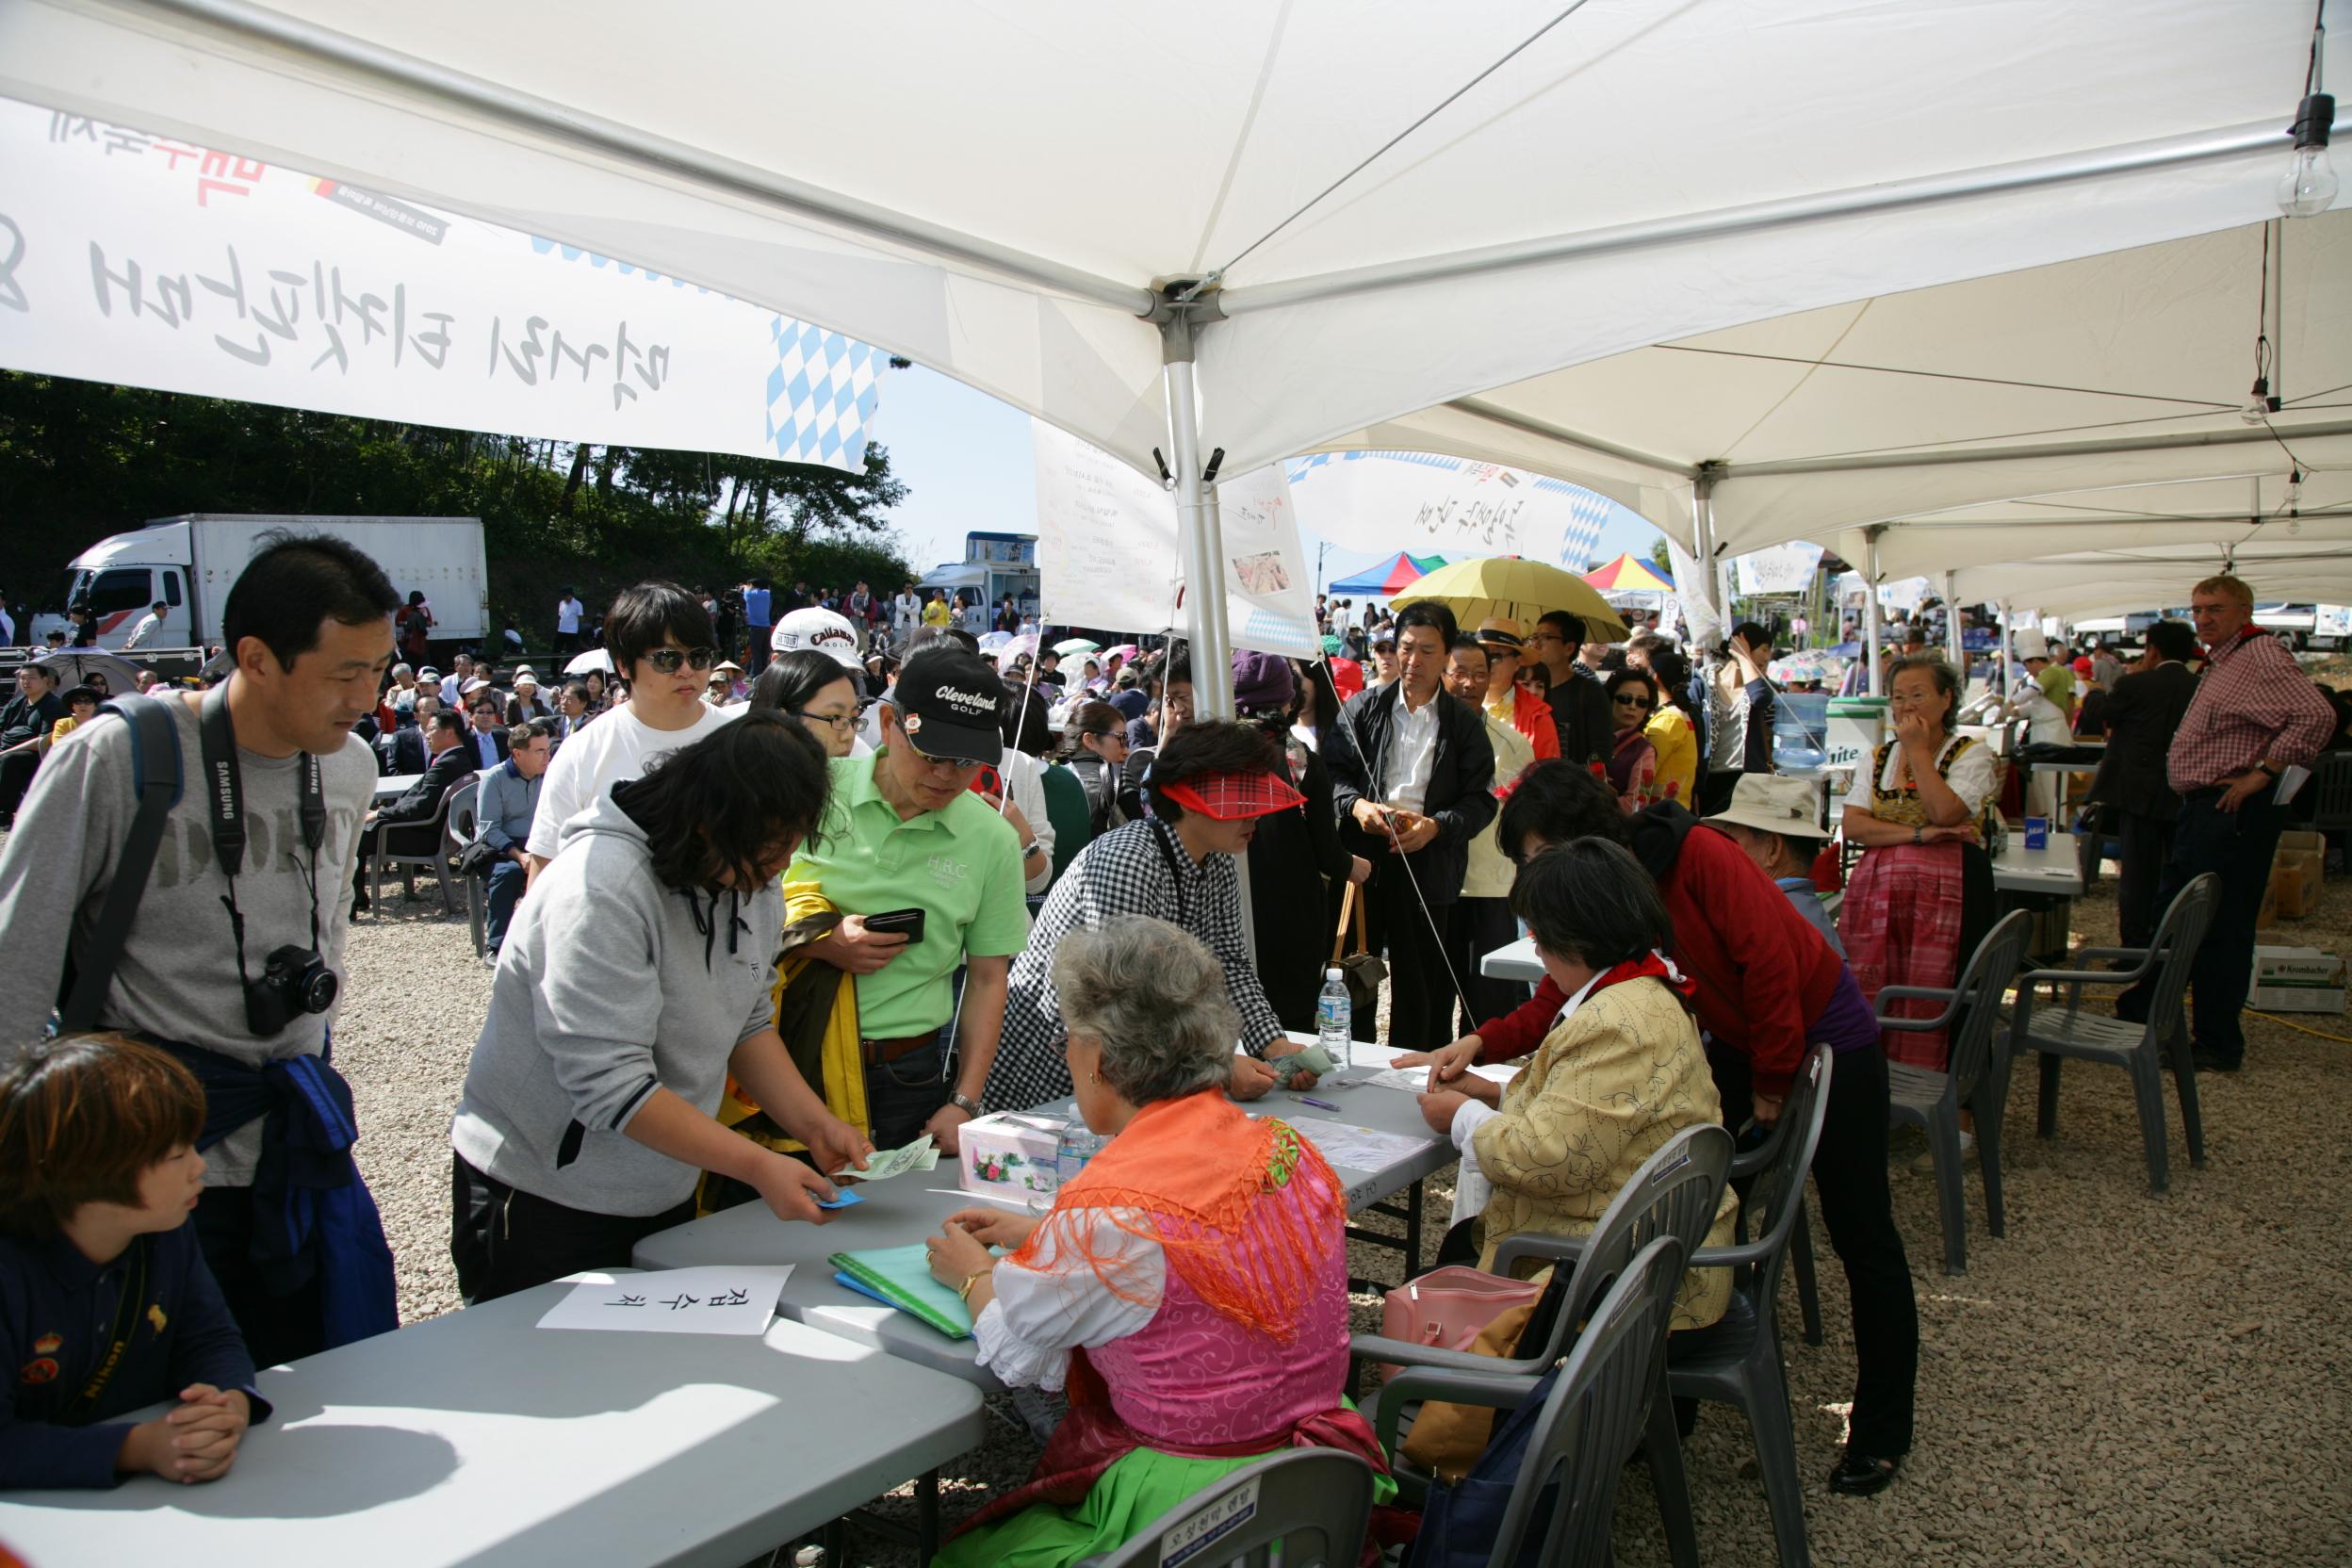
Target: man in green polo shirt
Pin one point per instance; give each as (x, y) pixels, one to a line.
(905, 831)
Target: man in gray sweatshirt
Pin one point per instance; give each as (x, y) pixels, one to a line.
(308, 624)
(637, 977)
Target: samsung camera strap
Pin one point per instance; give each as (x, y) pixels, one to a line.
(224, 800)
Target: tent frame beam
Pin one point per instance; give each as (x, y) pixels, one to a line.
(571, 128)
(2185, 442)
(2236, 141)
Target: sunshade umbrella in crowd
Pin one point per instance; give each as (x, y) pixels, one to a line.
(595, 659)
(1629, 574)
(1024, 646)
(1523, 589)
(1125, 652)
(994, 641)
(1076, 646)
(75, 666)
(1390, 577)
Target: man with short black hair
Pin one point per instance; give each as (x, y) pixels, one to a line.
(1580, 708)
(33, 712)
(488, 740)
(225, 932)
(148, 625)
(2143, 713)
(1412, 788)
(506, 803)
(450, 760)
(662, 645)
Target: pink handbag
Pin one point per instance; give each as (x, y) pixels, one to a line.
(1448, 1308)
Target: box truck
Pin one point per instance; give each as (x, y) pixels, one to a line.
(186, 564)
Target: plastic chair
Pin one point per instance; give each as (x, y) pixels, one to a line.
(2137, 1048)
(1737, 1360)
(1675, 1193)
(1564, 1497)
(463, 829)
(379, 856)
(1743, 1169)
(1304, 1508)
(1976, 1076)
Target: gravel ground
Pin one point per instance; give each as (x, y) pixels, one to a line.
(2123, 1378)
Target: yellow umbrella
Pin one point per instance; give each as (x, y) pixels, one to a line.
(1524, 590)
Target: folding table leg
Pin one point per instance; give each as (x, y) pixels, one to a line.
(1413, 1229)
(927, 1516)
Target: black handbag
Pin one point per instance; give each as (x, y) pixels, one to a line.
(1363, 969)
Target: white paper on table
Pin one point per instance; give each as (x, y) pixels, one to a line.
(722, 1299)
(1364, 1149)
(1415, 1080)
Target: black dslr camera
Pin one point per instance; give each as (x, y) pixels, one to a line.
(294, 981)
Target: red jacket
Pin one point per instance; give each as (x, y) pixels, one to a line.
(1531, 716)
(1763, 973)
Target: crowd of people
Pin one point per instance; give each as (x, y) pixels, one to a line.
(746, 933)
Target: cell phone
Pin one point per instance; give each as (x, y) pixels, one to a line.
(908, 921)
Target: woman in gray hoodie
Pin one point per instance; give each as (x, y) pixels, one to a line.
(637, 977)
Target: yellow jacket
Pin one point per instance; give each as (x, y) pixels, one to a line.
(1677, 743)
(1603, 1093)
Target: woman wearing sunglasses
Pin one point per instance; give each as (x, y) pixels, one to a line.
(660, 638)
(1632, 761)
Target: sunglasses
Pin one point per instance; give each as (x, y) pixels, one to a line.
(669, 660)
(1624, 701)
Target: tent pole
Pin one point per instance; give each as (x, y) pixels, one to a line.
(1703, 532)
(2001, 609)
(1198, 530)
(1869, 611)
(1953, 644)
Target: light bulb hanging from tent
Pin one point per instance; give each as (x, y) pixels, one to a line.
(2309, 187)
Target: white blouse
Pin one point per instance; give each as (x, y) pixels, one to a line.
(1970, 774)
(1040, 1313)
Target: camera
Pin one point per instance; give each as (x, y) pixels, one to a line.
(294, 981)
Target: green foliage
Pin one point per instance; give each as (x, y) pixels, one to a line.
(1661, 558)
(81, 459)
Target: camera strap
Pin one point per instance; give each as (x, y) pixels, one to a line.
(224, 800)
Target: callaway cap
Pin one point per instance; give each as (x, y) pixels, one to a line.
(946, 702)
(820, 629)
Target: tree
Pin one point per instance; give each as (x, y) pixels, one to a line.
(1662, 558)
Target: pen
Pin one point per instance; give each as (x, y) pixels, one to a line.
(1318, 1104)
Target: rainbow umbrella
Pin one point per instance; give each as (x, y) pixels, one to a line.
(1390, 577)
(1629, 574)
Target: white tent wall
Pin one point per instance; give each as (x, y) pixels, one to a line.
(1401, 206)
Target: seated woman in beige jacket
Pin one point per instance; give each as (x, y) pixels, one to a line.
(1621, 1072)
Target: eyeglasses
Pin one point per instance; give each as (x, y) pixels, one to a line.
(843, 723)
(668, 661)
(1621, 700)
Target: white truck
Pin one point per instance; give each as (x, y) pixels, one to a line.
(187, 562)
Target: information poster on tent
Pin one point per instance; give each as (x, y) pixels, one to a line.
(132, 258)
(1707, 626)
(1782, 569)
(1108, 551)
(1424, 503)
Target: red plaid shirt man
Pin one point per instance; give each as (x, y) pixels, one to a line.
(2254, 708)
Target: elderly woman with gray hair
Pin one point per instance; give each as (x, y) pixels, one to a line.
(1190, 1287)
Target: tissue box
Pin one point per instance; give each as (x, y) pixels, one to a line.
(2297, 980)
(1005, 1156)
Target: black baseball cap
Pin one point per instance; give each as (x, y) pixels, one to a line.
(947, 702)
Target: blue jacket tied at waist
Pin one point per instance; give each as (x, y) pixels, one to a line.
(312, 1213)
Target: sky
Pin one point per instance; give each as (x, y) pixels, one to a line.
(964, 458)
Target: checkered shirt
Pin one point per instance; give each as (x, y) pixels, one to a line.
(2253, 702)
(1123, 873)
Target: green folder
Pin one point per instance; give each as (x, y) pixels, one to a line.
(902, 1276)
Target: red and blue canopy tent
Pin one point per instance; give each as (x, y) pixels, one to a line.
(1390, 577)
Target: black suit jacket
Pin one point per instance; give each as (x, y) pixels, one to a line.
(472, 745)
(403, 752)
(1580, 712)
(1462, 784)
(2143, 713)
(423, 799)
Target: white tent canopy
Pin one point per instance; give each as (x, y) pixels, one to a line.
(1399, 207)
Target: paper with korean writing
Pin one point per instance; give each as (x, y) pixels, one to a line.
(127, 256)
(724, 1299)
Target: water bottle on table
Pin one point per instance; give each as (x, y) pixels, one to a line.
(1334, 1018)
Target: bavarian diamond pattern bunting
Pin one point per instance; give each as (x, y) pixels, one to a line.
(821, 395)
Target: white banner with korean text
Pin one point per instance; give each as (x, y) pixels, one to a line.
(131, 258)
(1108, 552)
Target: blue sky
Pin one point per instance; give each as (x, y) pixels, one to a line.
(964, 458)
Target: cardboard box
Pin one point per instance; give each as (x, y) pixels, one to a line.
(2297, 980)
(2312, 847)
(1009, 1156)
(2268, 915)
(2291, 888)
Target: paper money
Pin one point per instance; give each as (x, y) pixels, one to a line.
(882, 1165)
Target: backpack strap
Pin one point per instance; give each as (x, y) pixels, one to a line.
(155, 779)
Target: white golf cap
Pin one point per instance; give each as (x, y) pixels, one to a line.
(820, 629)
(1775, 802)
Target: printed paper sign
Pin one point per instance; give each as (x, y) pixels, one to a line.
(132, 258)
(1428, 503)
(718, 1300)
(1214, 1523)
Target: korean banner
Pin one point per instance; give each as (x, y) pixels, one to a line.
(132, 258)
(1782, 569)
(1109, 557)
(1428, 503)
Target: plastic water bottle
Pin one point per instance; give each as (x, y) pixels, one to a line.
(1334, 1018)
(1073, 1149)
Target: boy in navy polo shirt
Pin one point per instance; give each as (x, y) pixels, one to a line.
(106, 1302)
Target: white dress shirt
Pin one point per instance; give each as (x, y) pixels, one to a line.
(1411, 753)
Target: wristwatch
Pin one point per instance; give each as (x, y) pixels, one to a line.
(967, 1104)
